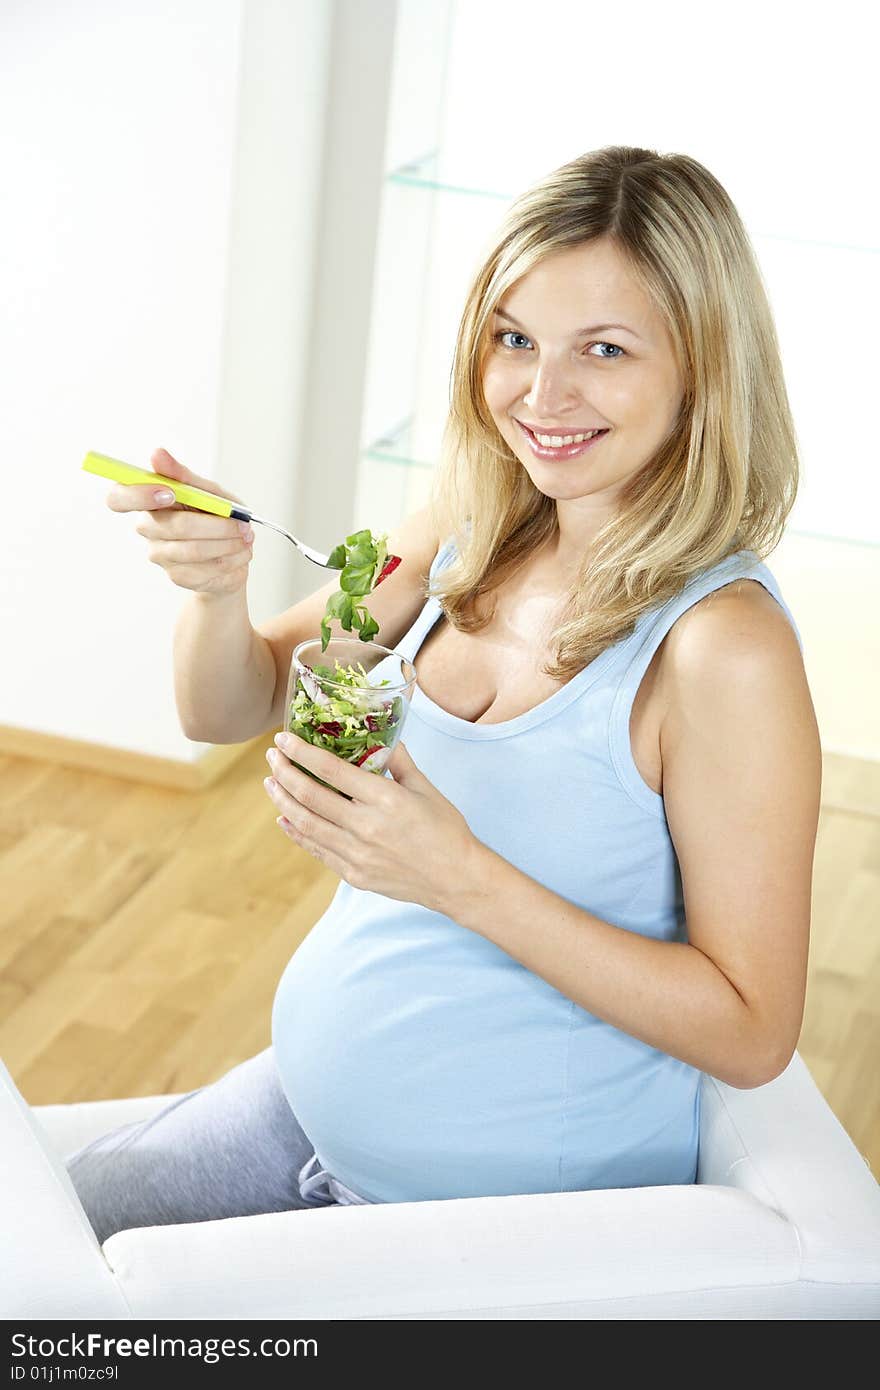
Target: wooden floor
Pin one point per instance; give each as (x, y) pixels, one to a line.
(143, 932)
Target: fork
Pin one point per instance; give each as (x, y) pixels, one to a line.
(195, 497)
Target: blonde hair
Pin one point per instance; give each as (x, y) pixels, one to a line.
(725, 478)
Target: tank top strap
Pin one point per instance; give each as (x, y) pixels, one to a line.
(445, 555)
(639, 649)
(431, 609)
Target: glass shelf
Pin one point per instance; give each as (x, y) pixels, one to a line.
(424, 173)
(396, 446)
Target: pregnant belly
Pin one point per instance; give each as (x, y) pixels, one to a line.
(425, 1063)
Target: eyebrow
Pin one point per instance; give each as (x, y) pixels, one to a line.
(595, 328)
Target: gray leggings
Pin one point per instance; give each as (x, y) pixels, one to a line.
(233, 1148)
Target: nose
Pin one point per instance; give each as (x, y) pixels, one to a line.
(551, 391)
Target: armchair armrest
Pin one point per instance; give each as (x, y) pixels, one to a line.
(51, 1265)
(782, 1144)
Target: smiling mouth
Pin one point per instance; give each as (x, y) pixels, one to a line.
(559, 451)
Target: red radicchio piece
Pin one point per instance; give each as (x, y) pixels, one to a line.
(331, 727)
(372, 723)
(388, 568)
(364, 756)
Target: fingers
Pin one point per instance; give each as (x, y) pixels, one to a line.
(193, 546)
(147, 497)
(308, 794)
(137, 497)
(198, 550)
(342, 776)
(223, 575)
(163, 462)
(190, 552)
(182, 524)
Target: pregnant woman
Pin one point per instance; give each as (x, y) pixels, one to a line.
(587, 879)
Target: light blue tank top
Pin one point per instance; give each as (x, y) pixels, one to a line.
(423, 1061)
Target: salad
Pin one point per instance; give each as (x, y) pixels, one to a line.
(349, 716)
(354, 726)
(359, 557)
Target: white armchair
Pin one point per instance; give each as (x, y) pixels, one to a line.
(783, 1222)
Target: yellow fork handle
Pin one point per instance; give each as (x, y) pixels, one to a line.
(119, 472)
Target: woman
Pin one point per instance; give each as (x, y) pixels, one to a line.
(589, 880)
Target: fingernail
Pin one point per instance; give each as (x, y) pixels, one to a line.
(165, 497)
(247, 531)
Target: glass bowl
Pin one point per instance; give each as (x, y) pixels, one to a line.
(363, 722)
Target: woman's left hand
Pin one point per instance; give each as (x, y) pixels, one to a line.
(402, 838)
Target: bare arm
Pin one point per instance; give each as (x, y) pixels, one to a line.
(741, 776)
(224, 670)
(230, 679)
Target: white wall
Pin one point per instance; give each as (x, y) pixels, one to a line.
(158, 227)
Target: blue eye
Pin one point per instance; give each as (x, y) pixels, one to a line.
(512, 333)
(509, 333)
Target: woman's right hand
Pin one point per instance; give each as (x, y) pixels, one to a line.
(199, 551)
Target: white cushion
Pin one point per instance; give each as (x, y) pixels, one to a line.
(623, 1252)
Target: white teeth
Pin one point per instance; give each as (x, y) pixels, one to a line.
(555, 441)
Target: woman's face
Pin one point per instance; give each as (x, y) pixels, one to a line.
(553, 369)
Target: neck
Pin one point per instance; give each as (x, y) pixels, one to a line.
(577, 531)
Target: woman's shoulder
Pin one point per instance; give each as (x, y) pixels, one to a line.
(734, 690)
(745, 600)
(741, 625)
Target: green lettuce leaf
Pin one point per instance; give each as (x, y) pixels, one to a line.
(361, 560)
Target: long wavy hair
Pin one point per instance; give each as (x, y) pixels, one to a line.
(725, 478)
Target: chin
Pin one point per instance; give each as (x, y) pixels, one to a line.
(570, 490)
(556, 494)
(557, 490)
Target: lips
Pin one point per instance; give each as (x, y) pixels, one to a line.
(563, 451)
